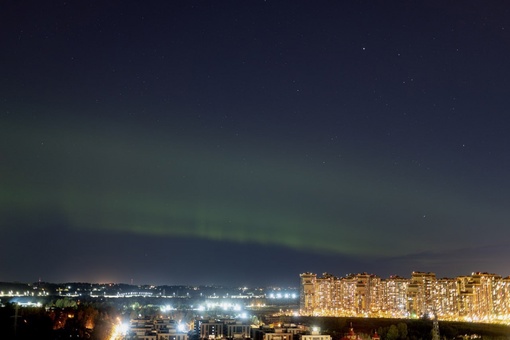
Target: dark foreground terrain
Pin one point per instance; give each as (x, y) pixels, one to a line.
(404, 329)
(66, 319)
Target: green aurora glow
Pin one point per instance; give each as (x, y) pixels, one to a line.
(93, 178)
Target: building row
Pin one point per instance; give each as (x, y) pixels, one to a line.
(217, 329)
(156, 329)
(232, 329)
(479, 297)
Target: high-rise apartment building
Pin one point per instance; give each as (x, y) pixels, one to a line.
(484, 289)
(502, 302)
(421, 293)
(307, 303)
(394, 297)
(478, 297)
(325, 294)
(446, 302)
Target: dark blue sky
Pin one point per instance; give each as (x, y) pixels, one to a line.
(232, 142)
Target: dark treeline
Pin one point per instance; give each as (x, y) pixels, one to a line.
(404, 329)
(63, 320)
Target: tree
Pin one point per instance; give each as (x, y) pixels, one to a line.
(382, 332)
(65, 303)
(402, 330)
(392, 333)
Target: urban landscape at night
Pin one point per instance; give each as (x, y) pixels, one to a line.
(479, 297)
(198, 169)
(212, 312)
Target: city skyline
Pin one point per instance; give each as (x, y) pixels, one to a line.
(327, 274)
(243, 142)
(479, 297)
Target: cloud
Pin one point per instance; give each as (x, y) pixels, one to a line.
(453, 262)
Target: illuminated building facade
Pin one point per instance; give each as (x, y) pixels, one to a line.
(307, 302)
(421, 293)
(394, 297)
(481, 297)
(239, 331)
(447, 298)
(211, 330)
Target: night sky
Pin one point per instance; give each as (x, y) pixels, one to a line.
(246, 142)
